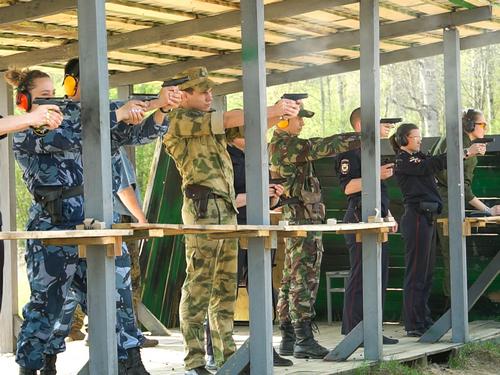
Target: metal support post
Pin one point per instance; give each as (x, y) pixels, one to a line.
(369, 330)
(257, 179)
(98, 194)
(456, 215)
(8, 210)
(370, 162)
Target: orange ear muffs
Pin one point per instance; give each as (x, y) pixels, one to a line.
(283, 124)
(23, 100)
(70, 85)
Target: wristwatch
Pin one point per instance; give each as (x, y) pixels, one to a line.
(466, 153)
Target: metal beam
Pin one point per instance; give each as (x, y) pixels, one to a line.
(34, 9)
(97, 188)
(351, 65)
(169, 32)
(370, 172)
(455, 166)
(257, 183)
(8, 209)
(304, 46)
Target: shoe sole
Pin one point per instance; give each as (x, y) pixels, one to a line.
(282, 365)
(305, 356)
(285, 354)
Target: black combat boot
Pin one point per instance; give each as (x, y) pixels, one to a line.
(280, 361)
(122, 367)
(134, 363)
(305, 345)
(49, 364)
(26, 371)
(287, 339)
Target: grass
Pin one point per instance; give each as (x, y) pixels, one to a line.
(476, 354)
(389, 368)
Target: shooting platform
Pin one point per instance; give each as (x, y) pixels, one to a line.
(471, 222)
(114, 237)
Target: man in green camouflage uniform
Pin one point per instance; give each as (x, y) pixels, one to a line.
(291, 158)
(197, 143)
(474, 127)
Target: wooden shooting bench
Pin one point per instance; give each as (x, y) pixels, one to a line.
(471, 222)
(282, 229)
(82, 238)
(114, 237)
(443, 324)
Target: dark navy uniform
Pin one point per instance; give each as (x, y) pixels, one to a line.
(415, 176)
(349, 168)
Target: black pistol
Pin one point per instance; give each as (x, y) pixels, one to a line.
(390, 120)
(483, 140)
(149, 97)
(277, 181)
(61, 102)
(175, 82)
(295, 97)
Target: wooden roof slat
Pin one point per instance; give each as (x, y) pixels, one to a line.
(173, 31)
(32, 10)
(309, 45)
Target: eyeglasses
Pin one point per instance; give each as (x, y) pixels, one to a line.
(484, 125)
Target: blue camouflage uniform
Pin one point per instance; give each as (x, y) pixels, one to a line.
(56, 272)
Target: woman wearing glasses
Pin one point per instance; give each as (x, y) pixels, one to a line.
(474, 127)
(415, 174)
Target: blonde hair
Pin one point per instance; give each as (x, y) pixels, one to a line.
(23, 79)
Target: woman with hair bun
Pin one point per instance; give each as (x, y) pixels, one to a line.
(39, 116)
(414, 173)
(30, 84)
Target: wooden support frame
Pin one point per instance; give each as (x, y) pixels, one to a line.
(307, 45)
(162, 33)
(469, 223)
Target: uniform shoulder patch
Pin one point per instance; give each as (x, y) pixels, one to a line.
(415, 159)
(345, 165)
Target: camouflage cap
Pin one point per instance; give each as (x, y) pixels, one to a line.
(198, 79)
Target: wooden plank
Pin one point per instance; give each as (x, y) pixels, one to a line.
(239, 234)
(34, 9)
(88, 241)
(63, 234)
(168, 32)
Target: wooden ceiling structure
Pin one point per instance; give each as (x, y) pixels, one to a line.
(149, 40)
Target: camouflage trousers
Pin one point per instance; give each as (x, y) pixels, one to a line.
(300, 280)
(128, 335)
(51, 271)
(209, 287)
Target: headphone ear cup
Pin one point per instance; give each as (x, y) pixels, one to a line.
(23, 100)
(469, 124)
(70, 85)
(283, 124)
(401, 140)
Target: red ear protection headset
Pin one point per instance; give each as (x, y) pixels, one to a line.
(23, 98)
